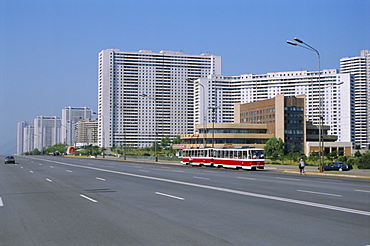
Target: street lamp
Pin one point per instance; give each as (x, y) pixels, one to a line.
(213, 124)
(321, 142)
(155, 125)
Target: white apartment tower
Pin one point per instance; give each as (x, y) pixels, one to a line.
(25, 137)
(47, 131)
(71, 115)
(215, 96)
(86, 132)
(360, 67)
(144, 96)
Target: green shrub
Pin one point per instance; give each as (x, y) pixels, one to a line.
(363, 162)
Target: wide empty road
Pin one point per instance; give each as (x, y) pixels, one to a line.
(73, 201)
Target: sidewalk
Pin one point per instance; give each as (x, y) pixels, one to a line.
(312, 170)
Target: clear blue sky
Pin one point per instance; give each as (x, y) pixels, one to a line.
(49, 48)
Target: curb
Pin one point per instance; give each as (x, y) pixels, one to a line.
(329, 174)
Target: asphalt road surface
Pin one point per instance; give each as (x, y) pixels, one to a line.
(73, 201)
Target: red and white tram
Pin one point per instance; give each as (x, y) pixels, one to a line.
(245, 158)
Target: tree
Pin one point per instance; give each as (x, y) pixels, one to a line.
(274, 148)
(314, 156)
(363, 161)
(357, 154)
(177, 140)
(332, 155)
(36, 152)
(165, 142)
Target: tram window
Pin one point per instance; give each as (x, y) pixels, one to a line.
(239, 155)
(244, 154)
(257, 154)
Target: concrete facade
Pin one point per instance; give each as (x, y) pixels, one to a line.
(25, 137)
(47, 131)
(71, 115)
(257, 122)
(144, 96)
(360, 68)
(335, 90)
(86, 132)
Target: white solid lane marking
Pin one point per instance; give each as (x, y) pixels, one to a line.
(362, 190)
(244, 193)
(246, 178)
(49, 180)
(176, 197)
(319, 193)
(88, 198)
(100, 179)
(1, 202)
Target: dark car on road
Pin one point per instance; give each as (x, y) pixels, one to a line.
(9, 159)
(337, 166)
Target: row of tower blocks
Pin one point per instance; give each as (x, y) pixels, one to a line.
(144, 96)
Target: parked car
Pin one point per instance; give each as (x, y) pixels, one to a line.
(9, 159)
(337, 166)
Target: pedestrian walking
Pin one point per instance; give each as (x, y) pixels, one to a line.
(301, 167)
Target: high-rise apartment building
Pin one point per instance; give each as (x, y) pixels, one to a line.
(25, 137)
(47, 131)
(71, 115)
(360, 67)
(215, 97)
(144, 96)
(86, 132)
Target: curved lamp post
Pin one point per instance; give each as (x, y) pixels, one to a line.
(304, 45)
